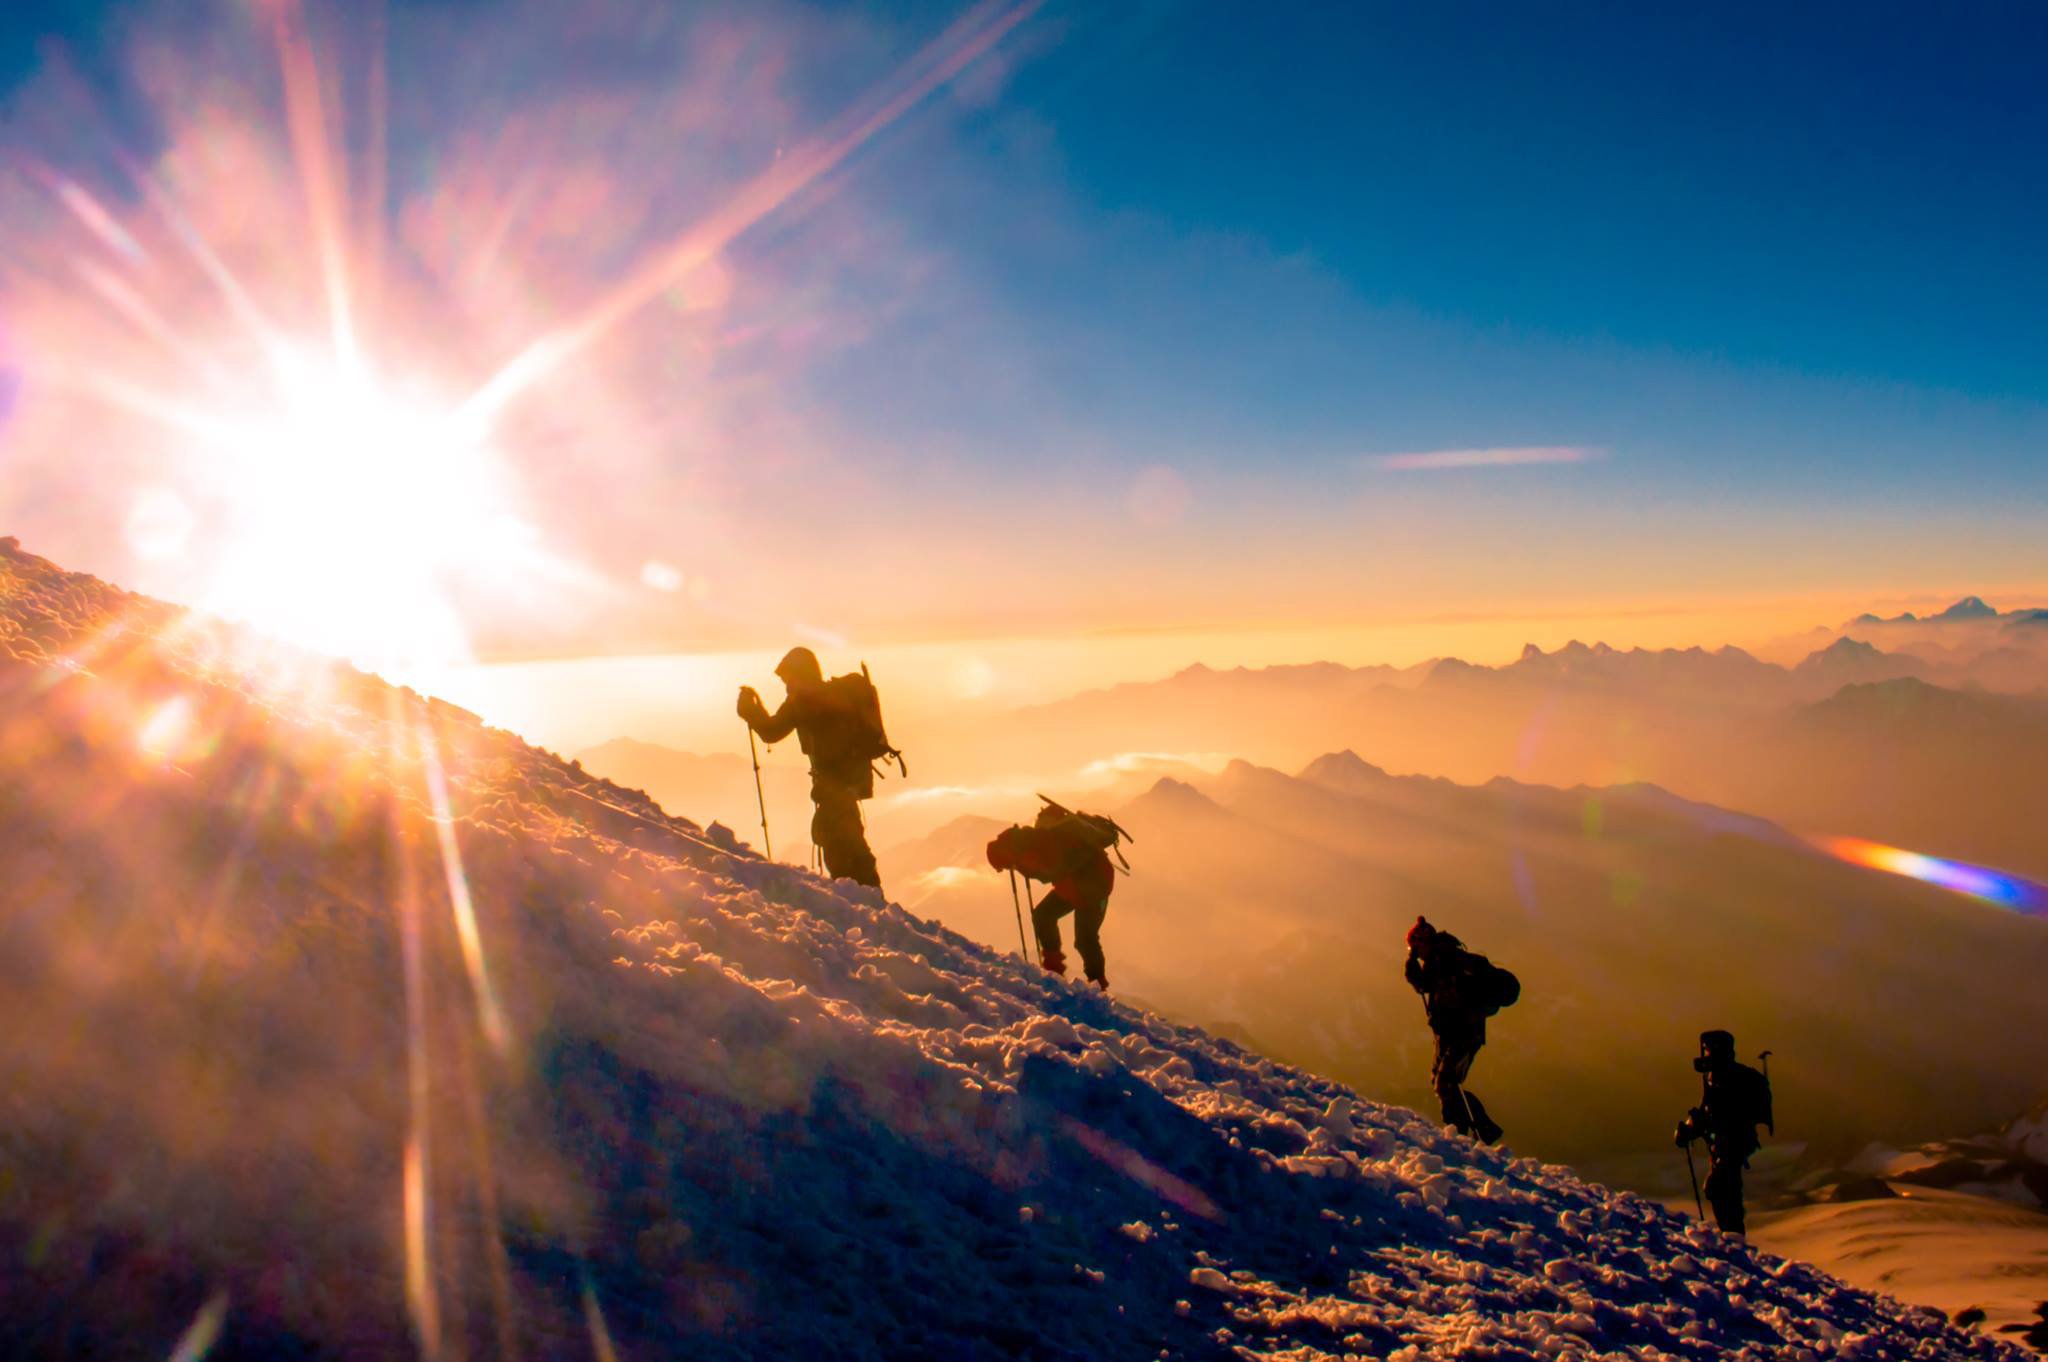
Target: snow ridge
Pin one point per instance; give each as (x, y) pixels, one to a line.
(655, 1096)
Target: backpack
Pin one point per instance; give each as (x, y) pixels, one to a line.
(1486, 985)
(1752, 1092)
(1095, 831)
(1500, 988)
(854, 696)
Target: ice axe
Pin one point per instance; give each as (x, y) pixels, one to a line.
(1765, 1060)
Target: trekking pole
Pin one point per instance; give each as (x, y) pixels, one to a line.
(1693, 1173)
(1022, 949)
(1471, 1126)
(760, 795)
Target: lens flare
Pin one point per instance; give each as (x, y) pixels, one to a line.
(198, 1340)
(348, 384)
(1978, 882)
(491, 1019)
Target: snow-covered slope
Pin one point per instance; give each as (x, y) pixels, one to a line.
(1958, 1224)
(341, 1025)
(1976, 1257)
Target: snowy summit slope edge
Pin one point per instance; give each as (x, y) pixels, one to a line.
(349, 1025)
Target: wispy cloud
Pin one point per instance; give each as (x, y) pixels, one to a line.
(1512, 456)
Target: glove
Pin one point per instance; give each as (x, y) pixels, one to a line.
(750, 707)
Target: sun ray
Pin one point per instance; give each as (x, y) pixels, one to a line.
(488, 1013)
(131, 398)
(593, 1320)
(179, 224)
(484, 1173)
(205, 1330)
(91, 214)
(289, 453)
(421, 1299)
(320, 177)
(938, 63)
(117, 294)
(377, 170)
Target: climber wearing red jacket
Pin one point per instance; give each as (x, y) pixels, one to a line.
(1062, 849)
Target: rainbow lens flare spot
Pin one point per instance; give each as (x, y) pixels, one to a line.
(2009, 891)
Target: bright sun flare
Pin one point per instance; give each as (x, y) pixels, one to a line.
(353, 513)
(300, 489)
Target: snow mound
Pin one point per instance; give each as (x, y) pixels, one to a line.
(342, 1024)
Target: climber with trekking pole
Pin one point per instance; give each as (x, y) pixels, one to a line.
(1734, 1100)
(1070, 852)
(1460, 989)
(838, 723)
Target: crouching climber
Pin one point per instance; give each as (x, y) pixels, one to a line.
(1070, 852)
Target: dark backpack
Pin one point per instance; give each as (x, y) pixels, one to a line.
(853, 696)
(1496, 987)
(1752, 1093)
(1095, 831)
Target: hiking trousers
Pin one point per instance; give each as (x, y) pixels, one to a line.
(1045, 921)
(1455, 1052)
(842, 838)
(1724, 1187)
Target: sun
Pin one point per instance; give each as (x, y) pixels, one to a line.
(351, 515)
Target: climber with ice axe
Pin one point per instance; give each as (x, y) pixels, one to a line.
(1734, 1100)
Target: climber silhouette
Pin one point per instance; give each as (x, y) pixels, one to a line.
(1070, 852)
(1460, 990)
(838, 723)
(1734, 1100)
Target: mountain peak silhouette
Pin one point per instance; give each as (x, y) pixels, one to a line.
(1968, 608)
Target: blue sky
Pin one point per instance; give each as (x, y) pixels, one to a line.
(1317, 230)
(1776, 268)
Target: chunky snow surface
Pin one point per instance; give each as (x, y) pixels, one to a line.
(339, 1024)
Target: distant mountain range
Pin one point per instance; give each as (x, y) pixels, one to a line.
(1968, 610)
(1853, 739)
(1943, 754)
